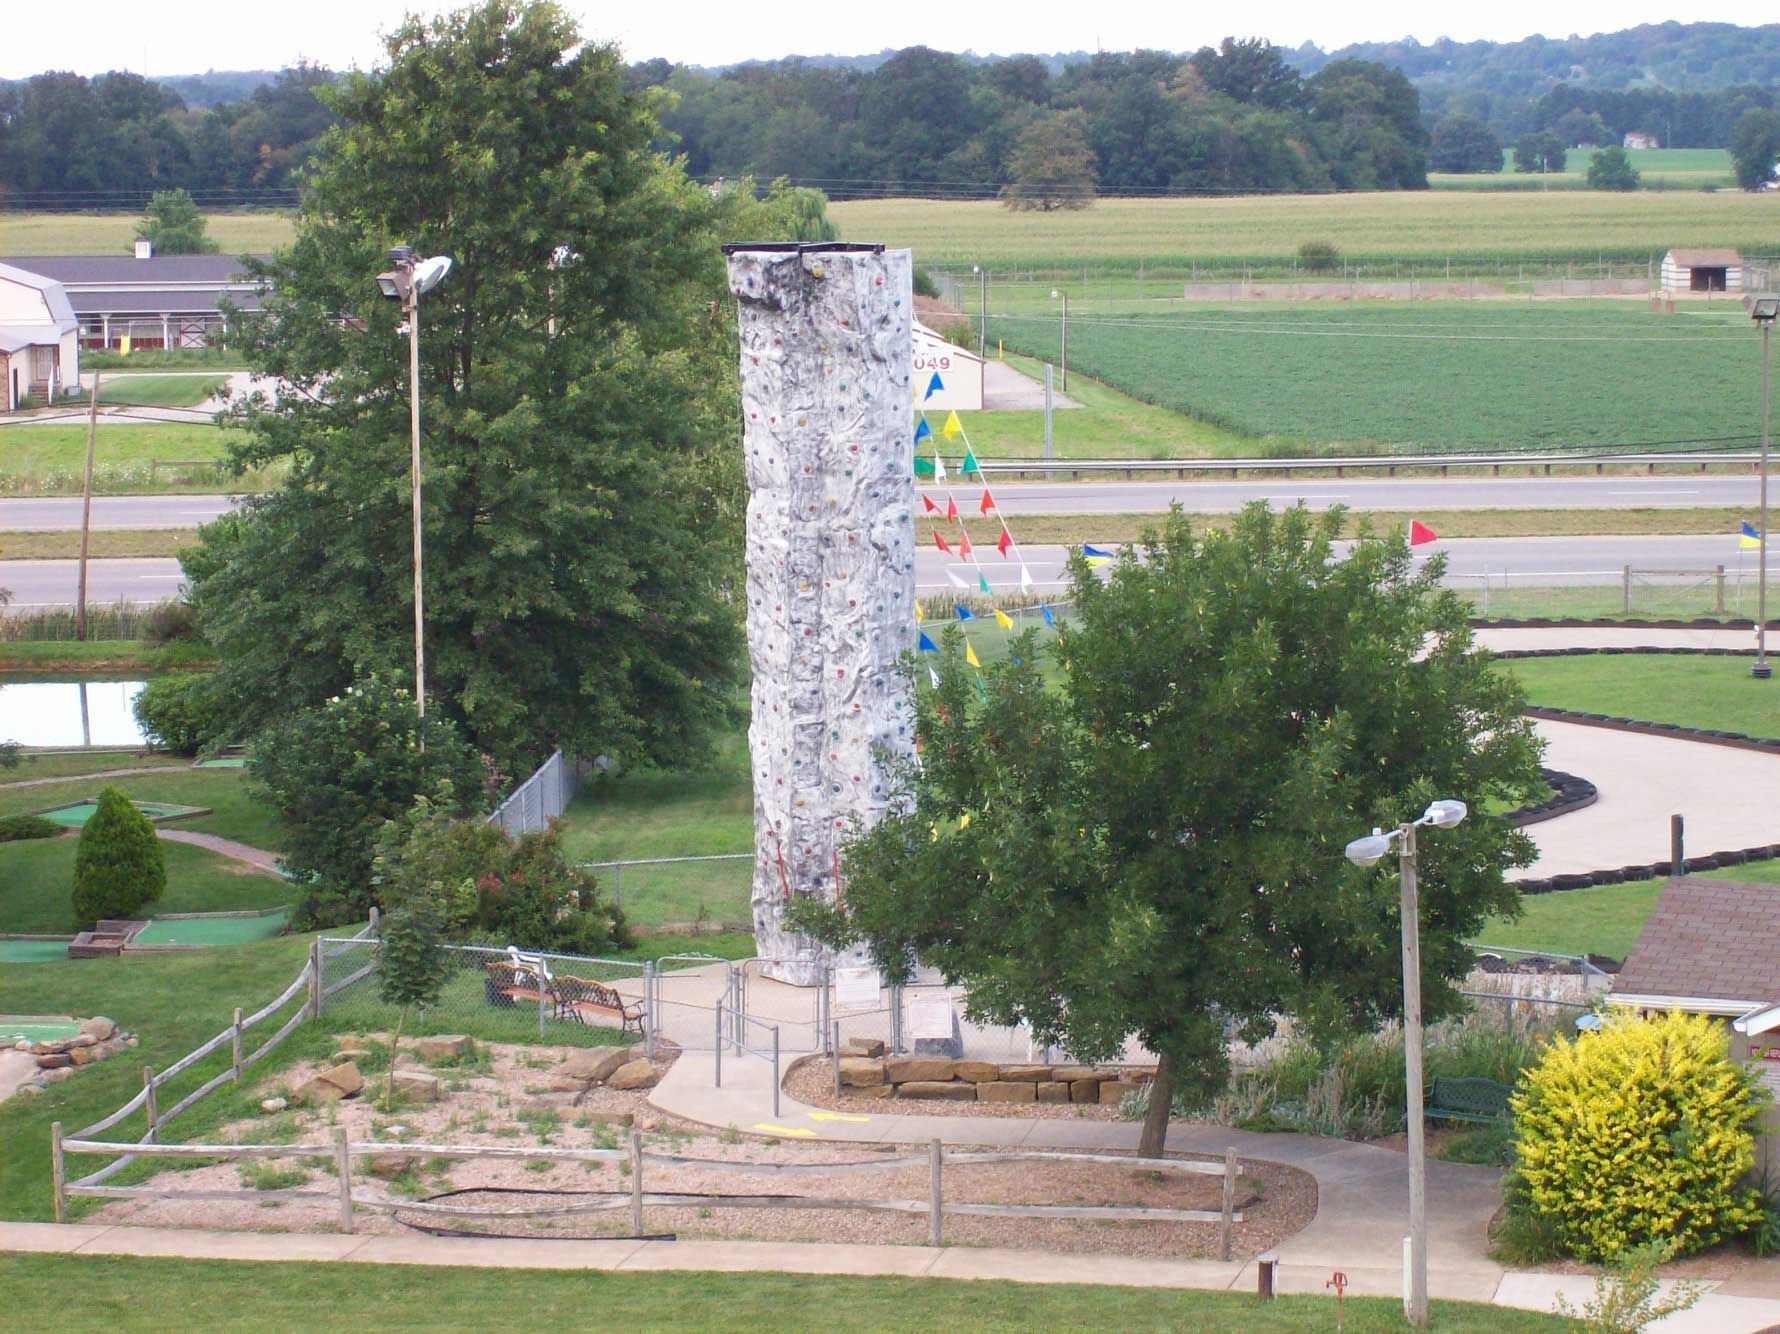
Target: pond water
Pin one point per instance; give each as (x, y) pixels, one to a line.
(69, 713)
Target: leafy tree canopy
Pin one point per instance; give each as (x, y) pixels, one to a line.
(1052, 165)
(582, 486)
(173, 223)
(1755, 147)
(1158, 802)
(1612, 170)
(1539, 151)
(1465, 144)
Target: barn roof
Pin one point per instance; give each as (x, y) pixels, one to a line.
(1705, 259)
(1707, 946)
(55, 300)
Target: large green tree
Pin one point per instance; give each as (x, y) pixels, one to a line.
(1158, 802)
(173, 223)
(581, 508)
(1051, 165)
(1755, 147)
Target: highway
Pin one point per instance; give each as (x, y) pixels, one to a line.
(1532, 561)
(1404, 494)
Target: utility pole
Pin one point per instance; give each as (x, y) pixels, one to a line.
(1416, 1300)
(1765, 312)
(86, 518)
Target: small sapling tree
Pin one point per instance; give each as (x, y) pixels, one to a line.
(411, 965)
(118, 867)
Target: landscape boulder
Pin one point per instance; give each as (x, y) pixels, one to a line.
(388, 1166)
(861, 1072)
(1006, 1091)
(98, 1027)
(418, 1086)
(1052, 1093)
(1113, 1091)
(863, 1047)
(937, 1090)
(976, 1072)
(595, 1064)
(450, 1048)
(918, 1069)
(333, 1084)
(1025, 1074)
(637, 1074)
(1085, 1090)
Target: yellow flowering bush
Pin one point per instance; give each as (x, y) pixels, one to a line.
(1638, 1132)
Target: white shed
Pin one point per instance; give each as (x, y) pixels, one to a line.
(1702, 271)
(960, 373)
(39, 339)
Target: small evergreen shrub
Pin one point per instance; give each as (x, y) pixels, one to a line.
(118, 868)
(14, 828)
(1636, 1133)
(171, 620)
(1319, 256)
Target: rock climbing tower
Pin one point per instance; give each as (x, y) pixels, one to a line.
(828, 445)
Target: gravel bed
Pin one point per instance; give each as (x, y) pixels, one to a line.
(509, 1100)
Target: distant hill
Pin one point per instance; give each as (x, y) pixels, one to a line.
(215, 87)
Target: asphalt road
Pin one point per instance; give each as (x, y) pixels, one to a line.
(1533, 561)
(1410, 495)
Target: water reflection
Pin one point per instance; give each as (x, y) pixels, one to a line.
(70, 713)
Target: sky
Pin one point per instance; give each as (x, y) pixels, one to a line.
(191, 36)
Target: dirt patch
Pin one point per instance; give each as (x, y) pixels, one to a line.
(812, 1083)
(510, 1096)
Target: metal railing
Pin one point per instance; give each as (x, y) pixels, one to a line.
(712, 890)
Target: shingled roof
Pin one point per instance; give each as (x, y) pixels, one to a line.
(1705, 259)
(1708, 946)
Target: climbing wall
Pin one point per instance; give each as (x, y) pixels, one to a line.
(828, 444)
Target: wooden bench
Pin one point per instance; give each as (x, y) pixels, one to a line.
(507, 984)
(1455, 1098)
(588, 1002)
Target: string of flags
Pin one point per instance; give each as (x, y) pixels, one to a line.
(1748, 539)
(933, 467)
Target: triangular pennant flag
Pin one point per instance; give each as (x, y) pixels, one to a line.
(957, 579)
(982, 693)
(988, 502)
(919, 615)
(927, 645)
(934, 386)
(970, 463)
(951, 507)
(1420, 534)
(983, 581)
(940, 542)
(1749, 538)
(1002, 619)
(939, 468)
(1005, 541)
(952, 427)
(933, 676)
(964, 544)
(964, 820)
(922, 430)
(924, 467)
(1095, 556)
(1025, 576)
(970, 655)
(963, 611)
(927, 504)
(1050, 620)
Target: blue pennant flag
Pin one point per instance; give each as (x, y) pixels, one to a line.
(934, 386)
(963, 611)
(927, 645)
(922, 431)
(1049, 619)
(1095, 556)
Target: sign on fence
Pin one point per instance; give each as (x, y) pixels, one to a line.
(856, 989)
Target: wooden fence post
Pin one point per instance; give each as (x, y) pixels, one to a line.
(1229, 1209)
(636, 1182)
(315, 978)
(936, 1158)
(154, 1119)
(235, 1045)
(343, 1165)
(57, 1172)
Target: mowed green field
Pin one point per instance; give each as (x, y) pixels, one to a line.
(1658, 168)
(114, 233)
(1425, 375)
(1168, 235)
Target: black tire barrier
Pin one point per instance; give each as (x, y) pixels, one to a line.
(1569, 793)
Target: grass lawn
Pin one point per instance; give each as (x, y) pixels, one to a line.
(248, 232)
(1604, 919)
(99, 655)
(1116, 235)
(65, 763)
(1665, 168)
(37, 877)
(163, 359)
(1356, 376)
(160, 391)
(1703, 692)
(234, 814)
(64, 544)
(48, 459)
(131, 1293)
(650, 813)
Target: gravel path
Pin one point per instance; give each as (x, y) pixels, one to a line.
(227, 847)
(87, 778)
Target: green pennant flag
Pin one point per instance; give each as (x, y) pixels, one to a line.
(983, 582)
(970, 463)
(982, 694)
(923, 467)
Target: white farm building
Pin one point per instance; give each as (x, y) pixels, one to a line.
(1702, 271)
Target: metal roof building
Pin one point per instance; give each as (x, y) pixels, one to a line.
(154, 300)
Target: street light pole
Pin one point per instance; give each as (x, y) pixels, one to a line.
(1416, 1300)
(413, 310)
(1764, 311)
(982, 309)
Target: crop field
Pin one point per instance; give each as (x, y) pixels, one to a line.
(1657, 168)
(48, 459)
(1170, 235)
(1427, 376)
(113, 233)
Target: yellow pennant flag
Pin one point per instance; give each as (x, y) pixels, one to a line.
(952, 427)
(918, 616)
(970, 655)
(1002, 619)
(964, 820)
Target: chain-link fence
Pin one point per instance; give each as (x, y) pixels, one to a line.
(542, 797)
(1627, 590)
(696, 893)
(497, 995)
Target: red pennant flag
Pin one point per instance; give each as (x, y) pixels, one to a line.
(988, 501)
(964, 545)
(1420, 534)
(940, 542)
(928, 502)
(1005, 541)
(951, 508)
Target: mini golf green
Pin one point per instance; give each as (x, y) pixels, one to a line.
(33, 951)
(238, 762)
(211, 930)
(77, 813)
(37, 1030)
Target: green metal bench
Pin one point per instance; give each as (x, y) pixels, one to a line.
(1453, 1098)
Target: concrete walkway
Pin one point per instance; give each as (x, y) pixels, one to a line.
(1499, 638)
(183, 767)
(226, 847)
(1008, 390)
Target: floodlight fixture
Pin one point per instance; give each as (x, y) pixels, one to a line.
(1444, 814)
(1765, 309)
(1369, 851)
